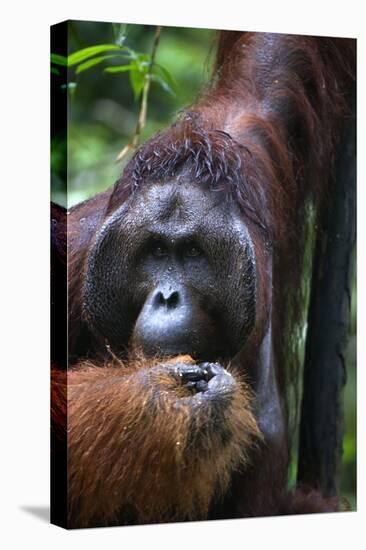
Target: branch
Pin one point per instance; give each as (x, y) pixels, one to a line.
(143, 104)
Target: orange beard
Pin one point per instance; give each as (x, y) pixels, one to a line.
(143, 448)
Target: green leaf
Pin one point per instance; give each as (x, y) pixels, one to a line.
(159, 80)
(85, 53)
(58, 59)
(120, 68)
(143, 62)
(143, 58)
(55, 71)
(95, 61)
(167, 77)
(137, 80)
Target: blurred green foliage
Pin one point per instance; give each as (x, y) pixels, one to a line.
(103, 111)
(104, 105)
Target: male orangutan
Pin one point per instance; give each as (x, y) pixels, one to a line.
(185, 297)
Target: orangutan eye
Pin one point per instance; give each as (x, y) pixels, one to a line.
(159, 250)
(192, 250)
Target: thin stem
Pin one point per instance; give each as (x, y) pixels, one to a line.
(141, 121)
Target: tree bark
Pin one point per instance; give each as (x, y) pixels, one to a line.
(321, 431)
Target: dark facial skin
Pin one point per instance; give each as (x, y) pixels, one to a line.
(173, 269)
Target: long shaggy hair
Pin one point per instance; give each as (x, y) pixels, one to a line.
(264, 134)
(142, 446)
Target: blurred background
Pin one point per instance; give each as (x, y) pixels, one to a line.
(102, 115)
(103, 109)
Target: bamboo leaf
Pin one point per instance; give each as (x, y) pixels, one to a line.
(159, 80)
(143, 58)
(137, 80)
(167, 77)
(143, 61)
(85, 53)
(58, 59)
(120, 68)
(55, 71)
(94, 61)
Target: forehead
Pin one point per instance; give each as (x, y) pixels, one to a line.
(180, 210)
(184, 201)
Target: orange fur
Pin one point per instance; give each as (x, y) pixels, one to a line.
(140, 447)
(140, 444)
